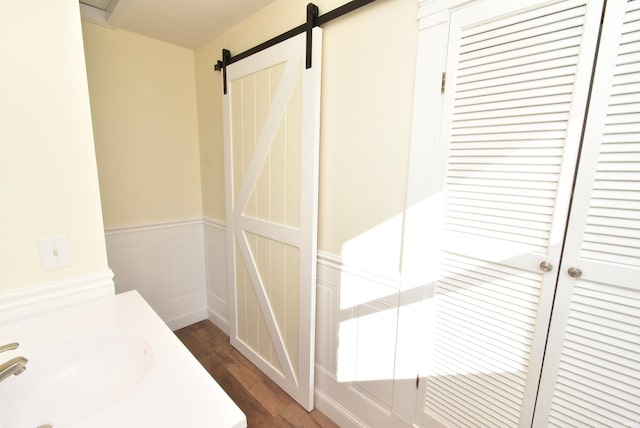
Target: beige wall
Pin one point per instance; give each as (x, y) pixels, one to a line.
(143, 104)
(367, 89)
(48, 179)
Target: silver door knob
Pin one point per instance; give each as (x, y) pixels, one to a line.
(546, 266)
(574, 272)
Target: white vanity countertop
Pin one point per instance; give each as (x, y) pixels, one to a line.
(176, 392)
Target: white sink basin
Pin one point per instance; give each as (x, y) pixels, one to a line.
(109, 363)
(73, 379)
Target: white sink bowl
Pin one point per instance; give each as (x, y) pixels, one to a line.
(73, 379)
(108, 363)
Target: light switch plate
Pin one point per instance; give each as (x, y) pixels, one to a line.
(54, 252)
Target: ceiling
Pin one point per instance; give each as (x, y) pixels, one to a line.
(187, 23)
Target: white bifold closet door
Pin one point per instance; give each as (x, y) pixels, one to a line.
(591, 373)
(517, 82)
(271, 118)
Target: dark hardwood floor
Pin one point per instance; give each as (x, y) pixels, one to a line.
(261, 400)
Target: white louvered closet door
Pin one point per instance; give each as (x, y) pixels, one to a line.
(591, 372)
(517, 80)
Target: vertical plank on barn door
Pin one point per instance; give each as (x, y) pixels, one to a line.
(516, 89)
(271, 130)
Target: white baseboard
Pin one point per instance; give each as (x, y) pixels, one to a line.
(20, 303)
(221, 323)
(335, 411)
(186, 319)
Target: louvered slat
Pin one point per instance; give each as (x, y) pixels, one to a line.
(502, 342)
(548, 84)
(614, 233)
(544, 195)
(510, 69)
(499, 225)
(461, 194)
(625, 295)
(600, 360)
(617, 218)
(606, 243)
(559, 104)
(590, 398)
(505, 289)
(468, 405)
(602, 377)
(484, 408)
(562, 420)
(612, 147)
(621, 81)
(585, 415)
(625, 98)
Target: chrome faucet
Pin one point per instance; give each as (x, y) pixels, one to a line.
(14, 366)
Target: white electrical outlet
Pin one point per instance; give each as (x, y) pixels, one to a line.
(54, 252)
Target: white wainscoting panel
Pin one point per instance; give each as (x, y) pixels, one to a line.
(24, 302)
(165, 262)
(216, 262)
(356, 326)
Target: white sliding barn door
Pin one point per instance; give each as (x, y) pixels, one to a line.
(591, 374)
(517, 80)
(271, 118)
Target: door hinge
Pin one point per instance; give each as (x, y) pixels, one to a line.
(443, 82)
(417, 381)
